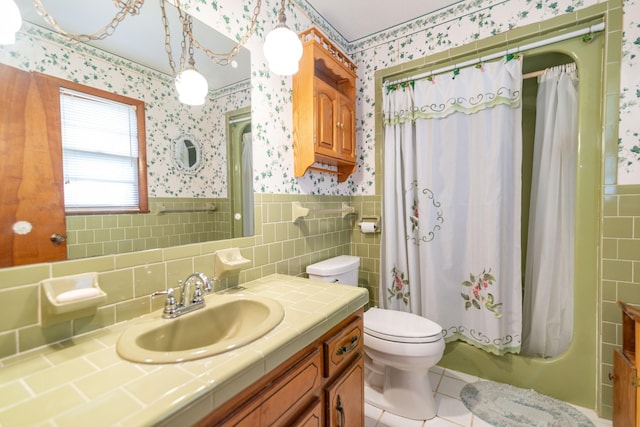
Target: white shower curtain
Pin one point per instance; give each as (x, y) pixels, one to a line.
(451, 209)
(548, 295)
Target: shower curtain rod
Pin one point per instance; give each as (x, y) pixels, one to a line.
(239, 120)
(591, 29)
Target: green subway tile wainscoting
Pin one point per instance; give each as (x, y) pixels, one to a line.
(620, 273)
(95, 235)
(280, 246)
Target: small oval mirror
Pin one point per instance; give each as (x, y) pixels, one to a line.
(187, 154)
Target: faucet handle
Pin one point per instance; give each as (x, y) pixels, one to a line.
(170, 304)
(197, 294)
(206, 282)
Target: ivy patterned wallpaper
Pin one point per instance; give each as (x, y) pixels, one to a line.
(465, 22)
(629, 135)
(270, 94)
(166, 118)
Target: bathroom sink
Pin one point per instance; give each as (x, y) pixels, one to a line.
(225, 323)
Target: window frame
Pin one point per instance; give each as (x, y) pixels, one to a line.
(55, 85)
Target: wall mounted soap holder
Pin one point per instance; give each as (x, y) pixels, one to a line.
(229, 260)
(69, 297)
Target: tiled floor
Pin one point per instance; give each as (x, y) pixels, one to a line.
(451, 411)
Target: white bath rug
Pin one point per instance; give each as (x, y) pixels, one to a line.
(504, 405)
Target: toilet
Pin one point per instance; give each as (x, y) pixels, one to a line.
(400, 348)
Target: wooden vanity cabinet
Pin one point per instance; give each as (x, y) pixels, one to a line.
(626, 399)
(324, 114)
(321, 385)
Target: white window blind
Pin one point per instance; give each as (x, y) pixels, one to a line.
(100, 153)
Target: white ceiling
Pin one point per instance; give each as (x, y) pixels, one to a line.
(355, 19)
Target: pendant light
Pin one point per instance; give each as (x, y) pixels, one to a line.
(282, 47)
(192, 87)
(10, 21)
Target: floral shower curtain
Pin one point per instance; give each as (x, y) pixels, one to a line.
(451, 209)
(548, 291)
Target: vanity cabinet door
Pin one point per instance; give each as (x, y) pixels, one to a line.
(311, 418)
(345, 397)
(311, 389)
(624, 391)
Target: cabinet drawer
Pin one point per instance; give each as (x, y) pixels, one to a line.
(342, 347)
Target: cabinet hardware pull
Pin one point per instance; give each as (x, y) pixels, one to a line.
(346, 349)
(340, 410)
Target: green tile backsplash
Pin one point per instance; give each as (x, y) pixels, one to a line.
(620, 274)
(280, 245)
(96, 235)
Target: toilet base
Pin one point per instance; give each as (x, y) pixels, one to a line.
(404, 393)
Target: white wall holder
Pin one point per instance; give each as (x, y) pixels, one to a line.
(69, 297)
(299, 212)
(228, 261)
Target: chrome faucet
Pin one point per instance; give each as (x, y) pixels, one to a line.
(188, 302)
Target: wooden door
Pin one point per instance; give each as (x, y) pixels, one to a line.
(31, 189)
(624, 391)
(345, 397)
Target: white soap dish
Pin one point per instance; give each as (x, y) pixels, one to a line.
(68, 297)
(229, 260)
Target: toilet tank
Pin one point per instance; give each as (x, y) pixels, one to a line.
(341, 269)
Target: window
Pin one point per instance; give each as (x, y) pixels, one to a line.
(103, 152)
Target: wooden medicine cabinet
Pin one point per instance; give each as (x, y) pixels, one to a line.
(324, 98)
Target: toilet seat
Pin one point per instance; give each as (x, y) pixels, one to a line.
(399, 326)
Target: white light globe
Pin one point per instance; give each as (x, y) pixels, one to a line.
(10, 21)
(283, 50)
(192, 87)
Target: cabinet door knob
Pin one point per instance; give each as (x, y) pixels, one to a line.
(57, 238)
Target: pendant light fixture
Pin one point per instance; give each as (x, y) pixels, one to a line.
(10, 21)
(282, 47)
(192, 87)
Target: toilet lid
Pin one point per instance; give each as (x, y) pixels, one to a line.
(398, 326)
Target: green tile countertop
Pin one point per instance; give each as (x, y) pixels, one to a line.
(84, 382)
